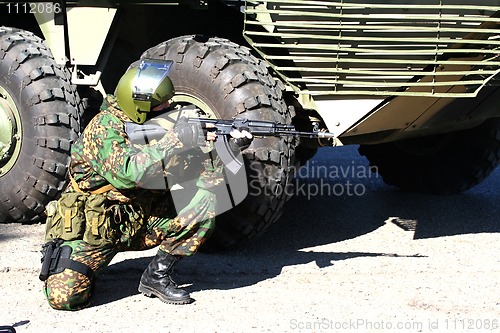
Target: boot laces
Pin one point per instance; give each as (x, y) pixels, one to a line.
(172, 282)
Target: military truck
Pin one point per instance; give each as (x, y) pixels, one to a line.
(412, 82)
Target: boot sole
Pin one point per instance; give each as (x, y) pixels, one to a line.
(149, 292)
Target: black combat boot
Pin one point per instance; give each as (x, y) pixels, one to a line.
(156, 280)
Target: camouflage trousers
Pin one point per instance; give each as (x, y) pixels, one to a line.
(179, 234)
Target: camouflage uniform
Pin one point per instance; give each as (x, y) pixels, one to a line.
(103, 155)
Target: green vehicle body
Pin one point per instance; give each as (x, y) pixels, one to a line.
(375, 73)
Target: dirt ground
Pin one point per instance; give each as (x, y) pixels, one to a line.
(374, 260)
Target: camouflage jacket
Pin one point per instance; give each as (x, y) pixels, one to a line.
(104, 155)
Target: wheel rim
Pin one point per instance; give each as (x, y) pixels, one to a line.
(185, 98)
(10, 132)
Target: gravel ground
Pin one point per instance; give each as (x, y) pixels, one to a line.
(371, 260)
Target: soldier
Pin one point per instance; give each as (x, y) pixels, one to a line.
(105, 210)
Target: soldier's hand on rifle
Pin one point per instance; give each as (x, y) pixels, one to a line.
(240, 139)
(192, 134)
(211, 135)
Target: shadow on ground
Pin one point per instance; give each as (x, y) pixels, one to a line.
(321, 220)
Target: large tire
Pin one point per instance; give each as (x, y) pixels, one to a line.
(225, 78)
(440, 164)
(39, 118)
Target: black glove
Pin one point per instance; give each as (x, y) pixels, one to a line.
(240, 144)
(190, 134)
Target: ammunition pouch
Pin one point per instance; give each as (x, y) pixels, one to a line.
(77, 216)
(56, 258)
(66, 217)
(94, 219)
(100, 227)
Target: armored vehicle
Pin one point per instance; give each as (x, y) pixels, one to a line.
(412, 82)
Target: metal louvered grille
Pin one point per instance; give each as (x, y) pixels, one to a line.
(440, 48)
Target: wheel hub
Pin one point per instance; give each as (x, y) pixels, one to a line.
(9, 131)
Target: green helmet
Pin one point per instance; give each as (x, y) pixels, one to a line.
(143, 87)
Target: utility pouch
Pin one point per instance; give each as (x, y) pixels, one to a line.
(100, 228)
(65, 217)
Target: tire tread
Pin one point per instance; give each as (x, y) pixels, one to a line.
(51, 112)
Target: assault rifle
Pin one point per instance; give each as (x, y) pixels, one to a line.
(149, 131)
(258, 128)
